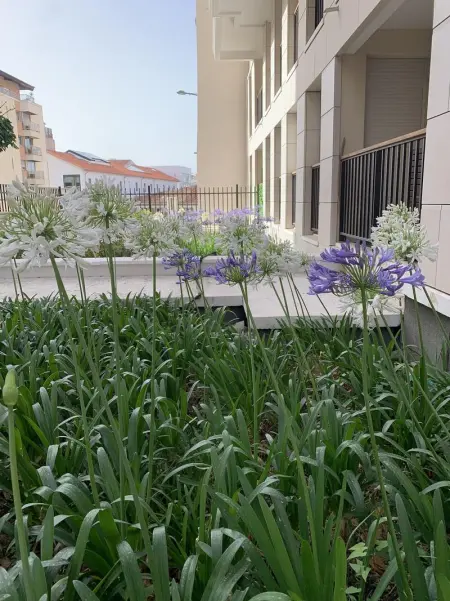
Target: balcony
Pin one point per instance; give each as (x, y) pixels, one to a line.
(239, 28)
(10, 93)
(28, 104)
(33, 153)
(375, 177)
(28, 129)
(32, 176)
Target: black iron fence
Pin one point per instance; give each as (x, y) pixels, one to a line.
(173, 199)
(376, 177)
(315, 194)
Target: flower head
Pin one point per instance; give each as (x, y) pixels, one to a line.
(369, 271)
(37, 229)
(277, 258)
(234, 270)
(106, 209)
(399, 228)
(242, 230)
(156, 234)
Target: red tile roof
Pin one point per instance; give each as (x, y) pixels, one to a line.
(114, 167)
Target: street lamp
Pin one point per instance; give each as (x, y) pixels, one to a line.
(184, 93)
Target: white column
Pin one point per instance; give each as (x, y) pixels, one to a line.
(436, 197)
(330, 139)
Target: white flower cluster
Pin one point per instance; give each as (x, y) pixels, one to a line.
(157, 234)
(279, 257)
(242, 231)
(105, 209)
(37, 229)
(399, 228)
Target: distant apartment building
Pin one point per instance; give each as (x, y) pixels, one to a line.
(182, 174)
(49, 139)
(77, 168)
(28, 162)
(346, 110)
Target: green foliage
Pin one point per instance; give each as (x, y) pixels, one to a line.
(7, 135)
(184, 472)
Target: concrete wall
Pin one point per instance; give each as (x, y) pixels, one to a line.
(436, 197)
(222, 111)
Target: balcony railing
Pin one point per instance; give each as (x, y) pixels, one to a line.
(375, 177)
(33, 174)
(315, 194)
(27, 97)
(30, 126)
(9, 92)
(33, 150)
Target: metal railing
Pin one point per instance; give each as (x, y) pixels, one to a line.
(318, 12)
(30, 126)
(33, 150)
(315, 194)
(27, 97)
(9, 92)
(375, 177)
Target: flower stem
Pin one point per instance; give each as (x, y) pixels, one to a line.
(23, 546)
(152, 434)
(373, 441)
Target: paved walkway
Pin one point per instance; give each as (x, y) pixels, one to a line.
(265, 307)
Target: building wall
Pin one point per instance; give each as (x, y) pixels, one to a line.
(436, 198)
(59, 168)
(11, 159)
(222, 111)
(10, 165)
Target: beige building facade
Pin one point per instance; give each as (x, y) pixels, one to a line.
(28, 163)
(347, 110)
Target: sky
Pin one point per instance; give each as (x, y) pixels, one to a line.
(106, 73)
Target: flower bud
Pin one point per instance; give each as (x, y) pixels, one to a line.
(10, 390)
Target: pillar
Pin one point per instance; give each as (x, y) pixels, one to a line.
(330, 127)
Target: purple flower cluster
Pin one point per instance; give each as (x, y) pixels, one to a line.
(235, 269)
(188, 265)
(363, 268)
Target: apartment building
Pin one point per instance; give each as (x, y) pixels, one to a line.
(347, 109)
(28, 162)
(77, 168)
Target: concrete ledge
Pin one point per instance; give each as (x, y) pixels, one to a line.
(98, 268)
(441, 300)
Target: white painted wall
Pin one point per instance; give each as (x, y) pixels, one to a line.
(58, 168)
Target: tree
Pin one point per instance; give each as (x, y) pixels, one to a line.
(7, 135)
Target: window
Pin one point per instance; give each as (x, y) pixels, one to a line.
(259, 106)
(318, 16)
(294, 197)
(70, 181)
(295, 34)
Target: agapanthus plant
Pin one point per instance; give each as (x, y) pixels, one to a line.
(156, 235)
(105, 209)
(188, 265)
(399, 228)
(278, 258)
(38, 229)
(367, 277)
(242, 230)
(236, 270)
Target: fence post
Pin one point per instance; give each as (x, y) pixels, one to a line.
(149, 198)
(237, 196)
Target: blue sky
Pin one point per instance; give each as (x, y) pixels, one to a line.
(107, 73)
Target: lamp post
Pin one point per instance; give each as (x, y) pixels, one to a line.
(184, 93)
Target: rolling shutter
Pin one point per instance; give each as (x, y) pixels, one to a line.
(396, 98)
